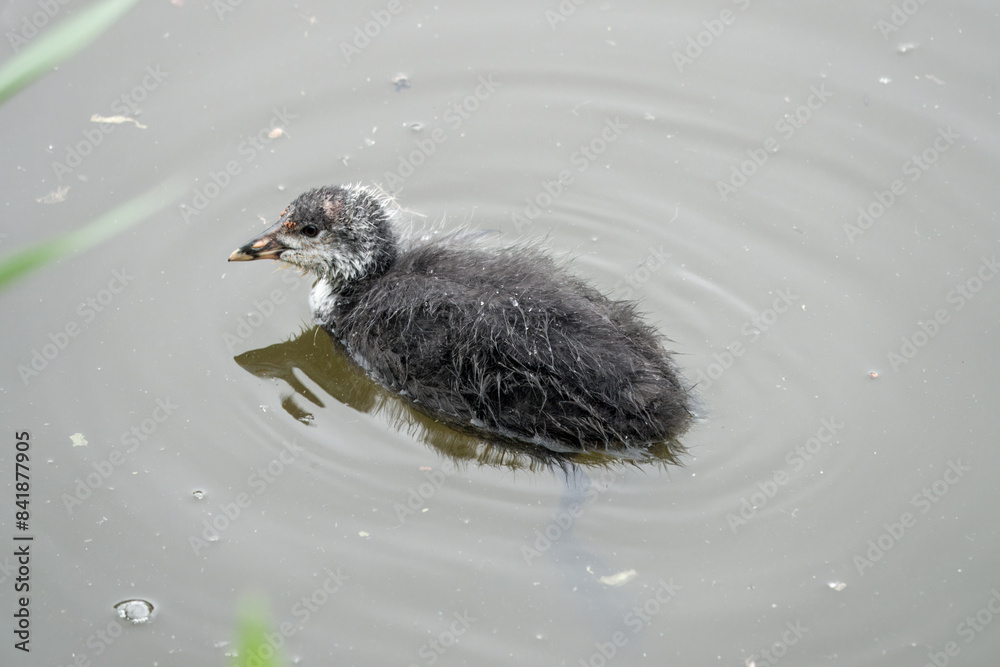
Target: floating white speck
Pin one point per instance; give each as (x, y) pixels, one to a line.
(618, 579)
(118, 120)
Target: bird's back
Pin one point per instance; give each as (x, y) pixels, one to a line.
(507, 340)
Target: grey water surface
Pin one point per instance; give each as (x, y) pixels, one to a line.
(802, 196)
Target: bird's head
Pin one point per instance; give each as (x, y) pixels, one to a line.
(340, 233)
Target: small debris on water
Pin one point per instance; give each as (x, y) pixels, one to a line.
(401, 81)
(618, 579)
(118, 120)
(54, 197)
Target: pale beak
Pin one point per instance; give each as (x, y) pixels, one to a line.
(265, 246)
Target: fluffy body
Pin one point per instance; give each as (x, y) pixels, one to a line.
(503, 339)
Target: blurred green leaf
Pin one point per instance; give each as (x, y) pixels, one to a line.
(59, 43)
(253, 649)
(111, 223)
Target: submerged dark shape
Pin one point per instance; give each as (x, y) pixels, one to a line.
(501, 339)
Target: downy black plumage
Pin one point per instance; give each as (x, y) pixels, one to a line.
(501, 339)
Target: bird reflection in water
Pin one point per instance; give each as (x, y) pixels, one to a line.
(323, 360)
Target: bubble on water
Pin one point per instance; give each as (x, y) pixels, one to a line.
(134, 611)
(198, 494)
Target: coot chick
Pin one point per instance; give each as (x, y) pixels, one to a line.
(503, 339)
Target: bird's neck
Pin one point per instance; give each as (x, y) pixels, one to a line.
(337, 290)
(349, 271)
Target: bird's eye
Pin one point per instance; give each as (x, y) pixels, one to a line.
(310, 230)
